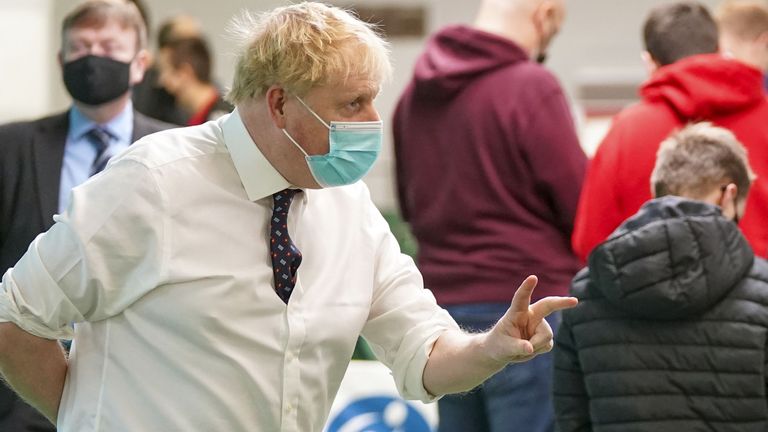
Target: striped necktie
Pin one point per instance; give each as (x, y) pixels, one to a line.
(100, 139)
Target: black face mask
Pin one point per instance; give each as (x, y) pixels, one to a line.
(95, 80)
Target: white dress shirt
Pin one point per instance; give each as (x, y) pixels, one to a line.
(162, 262)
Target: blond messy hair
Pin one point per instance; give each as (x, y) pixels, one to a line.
(744, 19)
(302, 46)
(698, 159)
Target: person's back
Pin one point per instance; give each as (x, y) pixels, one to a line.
(488, 164)
(488, 171)
(670, 332)
(692, 83)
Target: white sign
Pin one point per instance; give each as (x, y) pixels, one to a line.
(368, 402)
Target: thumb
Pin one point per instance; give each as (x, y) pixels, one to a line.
(520, 348)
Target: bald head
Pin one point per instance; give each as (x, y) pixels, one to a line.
(531, 24)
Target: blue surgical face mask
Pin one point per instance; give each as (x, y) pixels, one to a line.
(354, 147)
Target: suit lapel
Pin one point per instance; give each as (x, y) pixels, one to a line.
(48, 147)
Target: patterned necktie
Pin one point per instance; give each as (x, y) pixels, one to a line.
(285, 256)
(100, 138)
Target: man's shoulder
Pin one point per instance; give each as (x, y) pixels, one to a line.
(645, 109)
(759, 272)
(754, 286)
(640, 124)
(178, 144)
(532, 76)
(26, 126)
(147, 125)
(18, 133)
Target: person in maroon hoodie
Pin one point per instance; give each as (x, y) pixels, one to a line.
(689, 82)
(488, 175)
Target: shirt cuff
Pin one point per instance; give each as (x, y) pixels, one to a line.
(30, 317)
(411, 383)
(9, 313)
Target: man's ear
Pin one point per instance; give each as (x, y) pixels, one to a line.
(544, 17)
(276, 98)
(728, 197)
(728, 203)
(139, 66)
(651, 65)
(762, 43)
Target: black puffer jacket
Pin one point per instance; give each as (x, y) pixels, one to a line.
(670, 333)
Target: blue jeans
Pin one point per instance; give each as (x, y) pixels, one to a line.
(518, 398)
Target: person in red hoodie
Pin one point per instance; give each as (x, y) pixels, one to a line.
(689, 82)
(488, 174)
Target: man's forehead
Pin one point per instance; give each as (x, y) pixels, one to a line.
(356, 84)
(107, 24)
(108, 30)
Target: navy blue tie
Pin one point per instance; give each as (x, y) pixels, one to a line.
(286, 258)
(100, 138)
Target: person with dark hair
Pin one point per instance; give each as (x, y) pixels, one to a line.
(102, 55)
(149, 97)
(185, 72)
(699, 84)
(670, 330)
(677, 31)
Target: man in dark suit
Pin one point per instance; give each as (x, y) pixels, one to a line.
(103, 54)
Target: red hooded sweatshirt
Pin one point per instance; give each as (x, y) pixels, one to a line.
(488, 169)
(705, 87)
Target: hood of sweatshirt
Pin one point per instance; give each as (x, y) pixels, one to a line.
(673, 259)
(456, 55)
(705, 86)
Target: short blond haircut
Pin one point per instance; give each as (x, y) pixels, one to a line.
(699, 158)
(743, 19)
(303, 46)
(96, 13)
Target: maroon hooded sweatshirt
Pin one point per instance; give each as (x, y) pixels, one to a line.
(489, 169)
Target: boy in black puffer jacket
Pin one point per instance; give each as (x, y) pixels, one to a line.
(671, 329)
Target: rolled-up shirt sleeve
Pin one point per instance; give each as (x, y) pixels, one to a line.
(99, 257)
(405, 320)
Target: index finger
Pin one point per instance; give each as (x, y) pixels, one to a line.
(522, 298)
(547, 305)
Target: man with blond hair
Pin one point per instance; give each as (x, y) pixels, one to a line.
(670, 331)
(230, 267)
(743, 26)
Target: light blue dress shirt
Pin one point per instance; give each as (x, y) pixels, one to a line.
(79, 151)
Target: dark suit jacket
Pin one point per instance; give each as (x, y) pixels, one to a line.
(31, 158)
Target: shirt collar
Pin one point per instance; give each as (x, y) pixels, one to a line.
(120, 127)
(259, 178)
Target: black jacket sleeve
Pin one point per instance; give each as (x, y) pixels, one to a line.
(570, 395)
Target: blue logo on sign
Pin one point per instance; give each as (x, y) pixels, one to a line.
(379, 414)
